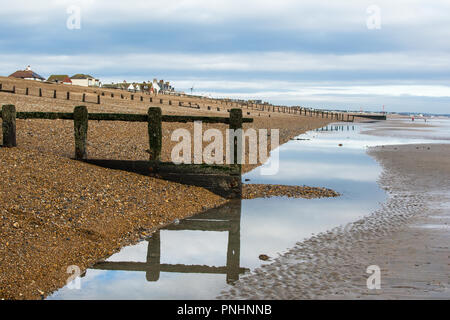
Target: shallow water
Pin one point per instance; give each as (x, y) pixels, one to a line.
(200, 256)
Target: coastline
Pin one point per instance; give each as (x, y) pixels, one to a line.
(58, 212)
(407, 238)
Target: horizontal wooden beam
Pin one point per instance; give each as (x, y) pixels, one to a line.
(178, 268)
(129, 117)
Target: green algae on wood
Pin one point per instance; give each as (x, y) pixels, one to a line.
(80, 117)
(9, 125)
(155, 134)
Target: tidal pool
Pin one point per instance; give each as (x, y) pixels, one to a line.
(200, 256)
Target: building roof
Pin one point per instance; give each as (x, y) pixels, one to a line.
(82, 76)
(26, 74)
(59, 78)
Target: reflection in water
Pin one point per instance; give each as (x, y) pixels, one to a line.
(202, 255)
(226, 218)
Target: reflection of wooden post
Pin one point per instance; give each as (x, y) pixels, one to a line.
(155, 134)
(154, 257)
(80, 123)
(234, 243)
(9, 125)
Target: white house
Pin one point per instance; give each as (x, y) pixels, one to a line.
(27, 74)
(156, 88)
(85, 80)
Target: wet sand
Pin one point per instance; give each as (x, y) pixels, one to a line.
(408, 238)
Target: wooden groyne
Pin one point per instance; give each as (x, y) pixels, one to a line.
(224, 180)
(100, 96)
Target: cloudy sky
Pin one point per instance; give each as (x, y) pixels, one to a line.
(348, 54)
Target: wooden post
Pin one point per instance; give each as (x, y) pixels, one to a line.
(112, 95)
(80, 125)
(84, 97)
(142, 98)
(9, 125)
(54, 94)
(26, 91)
(235, 124)
(170, 102)
(13, 89)
(98, 99)
(68, 95)
(161, 101)
(151, 99)
(132, 97)
(40, 92)
(155, 134)
(1, 86)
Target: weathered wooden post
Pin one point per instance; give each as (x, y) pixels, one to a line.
(13, 89)
(80, 125)
(26, 91)
(151, 99)
(9, 125)
(68, 95)
(142, 98)
(155, 135)
(54, 94)
(161, 101)
(84, 97)
(132, 97)
(98, 99)
(112, 95)
(40, 92)
(1, 86)
(235, 124)
(170, 102)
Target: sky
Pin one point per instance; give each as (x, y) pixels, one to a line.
(348, 54)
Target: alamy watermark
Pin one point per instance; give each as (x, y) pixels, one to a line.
(235, 147)
(374, 280)
(73, 282)
(373, 21)
(74, 20)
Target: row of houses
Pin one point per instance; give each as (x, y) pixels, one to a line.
(87, 80)
(154, 86)
(77, 79)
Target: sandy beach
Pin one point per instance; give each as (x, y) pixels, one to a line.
(407, 238)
